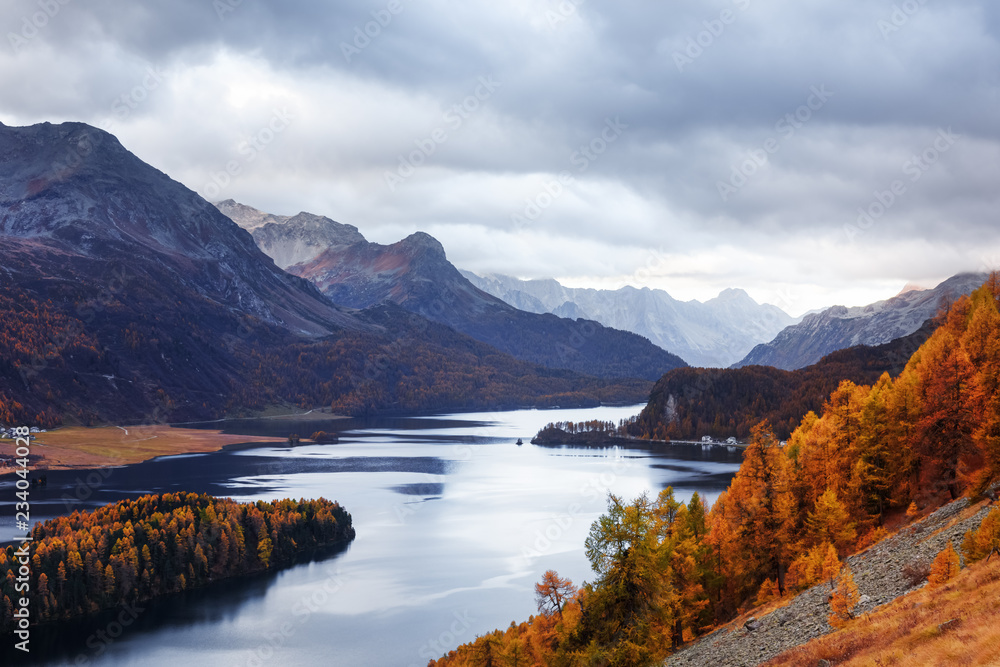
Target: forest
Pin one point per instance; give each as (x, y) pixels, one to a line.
(136, 550)
(876, 457)
(137, 357)
(688, 403)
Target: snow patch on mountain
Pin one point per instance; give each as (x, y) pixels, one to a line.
(715, 333)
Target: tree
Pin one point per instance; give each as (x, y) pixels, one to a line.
(843, 412)
(552, 592)
(945, 567)
(264, 548)
(831, 565)
(845, 598)
(877, 464)
(830, 522)
(696, 517)
(949, 416)
(627, 599)
(984, 541)
(760, 507)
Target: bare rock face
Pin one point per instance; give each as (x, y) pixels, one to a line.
(415, 274)
(75, 189)
(840, 327)
(291, 240)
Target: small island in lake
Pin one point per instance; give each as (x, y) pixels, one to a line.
(594, 432)
(136, 550)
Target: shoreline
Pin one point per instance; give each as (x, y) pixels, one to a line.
(91, 447)
(87, 448)
(83, 448)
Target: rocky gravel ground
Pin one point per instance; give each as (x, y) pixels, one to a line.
(878, 573)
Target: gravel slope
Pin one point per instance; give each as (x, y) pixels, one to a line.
(877, 573)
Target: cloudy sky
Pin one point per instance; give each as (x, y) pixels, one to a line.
(811, 153)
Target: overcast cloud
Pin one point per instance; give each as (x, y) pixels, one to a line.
(690, 146)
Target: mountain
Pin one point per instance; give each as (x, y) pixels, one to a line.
(715, 333)
(836, 328)
(415, 274)
(125, 297)
(68, 188)
(290, 239)
(689, 403)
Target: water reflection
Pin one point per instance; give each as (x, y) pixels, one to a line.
(455, 523)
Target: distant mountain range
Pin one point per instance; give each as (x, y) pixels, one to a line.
(416, 275)
(716, 333)
(836, 328)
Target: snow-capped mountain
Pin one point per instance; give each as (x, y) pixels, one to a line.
(839, 327)
(715, 333)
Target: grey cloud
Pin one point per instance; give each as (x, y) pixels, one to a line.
(565, 68)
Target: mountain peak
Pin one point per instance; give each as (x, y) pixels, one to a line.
(247, 217)
(75, 189)
(911, 287)
(839, 327)
(733, 294)
(423, 241)
(293, 239)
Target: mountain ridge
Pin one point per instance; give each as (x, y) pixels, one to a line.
(127, 298)
(415, 273)
(840, 327)
(715, 333)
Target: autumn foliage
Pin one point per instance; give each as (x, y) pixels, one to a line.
(957, 624)
(135, 550)
(874, 454)
(648, 595)
(688, 403)
(134, 356)
(845, 597)
(945, 567)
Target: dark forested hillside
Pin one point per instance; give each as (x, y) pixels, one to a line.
(145, 356)
(688, 403)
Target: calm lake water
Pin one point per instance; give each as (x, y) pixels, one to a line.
(455, 523)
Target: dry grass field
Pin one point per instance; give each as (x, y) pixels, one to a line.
(957, 623)
(79, 447)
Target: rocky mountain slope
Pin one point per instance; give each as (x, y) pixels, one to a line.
(716, 333)
(415, 274)
(74, 190)
(878, 573)
(125, 297)
(836, 328)
(292, 239)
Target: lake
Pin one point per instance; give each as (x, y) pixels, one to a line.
(455, 524)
